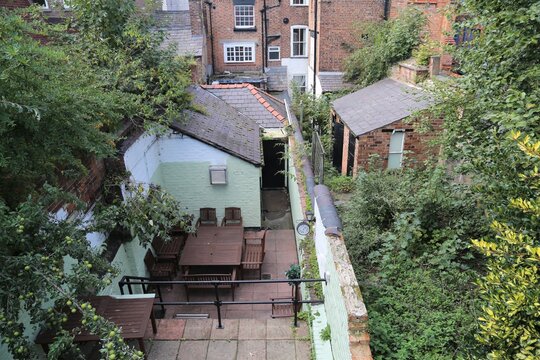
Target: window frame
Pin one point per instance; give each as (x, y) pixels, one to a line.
(238, 44)
(400, 152)
(303, 3)
(215, 169)
(278, 53)
(244, 16)
(303, 88)
(305, 42)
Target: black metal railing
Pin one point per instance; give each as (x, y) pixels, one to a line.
(146, 283)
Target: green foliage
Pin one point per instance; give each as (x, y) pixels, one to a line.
(117, 37)
(314, 112)
(511, 289)
(145, 213)
(53, 108)
(326, 333)
(424, 51)
(382, 45)
(311, 265)
(294, 272)
(339, 183)
(407, 234)
(37, 272)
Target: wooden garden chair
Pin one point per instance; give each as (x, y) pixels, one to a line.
(233, 217)
(207, 217)
(159, 270)
(253, 255)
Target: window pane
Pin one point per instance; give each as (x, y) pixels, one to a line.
(394, 161)
(396, 142)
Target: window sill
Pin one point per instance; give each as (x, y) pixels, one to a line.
(253, 29)
(299, 56)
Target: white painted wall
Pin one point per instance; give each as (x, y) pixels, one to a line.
(321, 242)
(295, 66)
(142, 158)
(182, 148)
(175, 5)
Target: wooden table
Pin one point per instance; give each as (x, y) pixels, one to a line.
(214, 246)
(128, 312)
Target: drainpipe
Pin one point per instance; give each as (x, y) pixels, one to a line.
(315, 38)
(264, 29)
(210, 7)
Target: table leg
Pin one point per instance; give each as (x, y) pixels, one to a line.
(141, 347)
(153, 320)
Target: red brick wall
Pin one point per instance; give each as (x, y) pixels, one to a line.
(14, 4)
(87, 188)
(223, 31)
(337, 23)
(416, 147)
(439, 26)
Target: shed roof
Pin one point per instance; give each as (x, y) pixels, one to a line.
(332, 81)
(222, 127)
(266, 110)
(379, 104)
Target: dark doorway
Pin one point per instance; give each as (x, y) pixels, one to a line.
(350, 157)
(273, 172)
(337, 153)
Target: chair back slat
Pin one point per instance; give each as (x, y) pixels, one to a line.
(207, 216)
(233, 216)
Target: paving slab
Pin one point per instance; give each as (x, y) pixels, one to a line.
(199, 329)
(229, 331)
(280, 350)
(222, 350)
(251, 350)
(302, 331)
(193, 350)
(251, 329)
(303, 349)
(163, 350)
(279, 329)
(170, 329)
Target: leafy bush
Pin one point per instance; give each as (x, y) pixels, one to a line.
(424, 51)
(341, 184)
(382, 45)
(407, 234)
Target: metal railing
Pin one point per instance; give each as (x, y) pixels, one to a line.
(146, 283)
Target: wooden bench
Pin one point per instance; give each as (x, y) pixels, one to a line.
(209, 277)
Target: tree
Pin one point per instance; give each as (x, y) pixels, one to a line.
(511, 287)
(53, 109)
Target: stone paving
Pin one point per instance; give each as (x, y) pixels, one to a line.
(241, 339)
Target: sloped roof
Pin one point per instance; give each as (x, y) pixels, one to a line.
(332, 81)
(266, 110)
(222, 127)
(177, 28)
(379, 104)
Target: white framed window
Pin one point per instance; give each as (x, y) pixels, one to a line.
(274, 53)
(299, 41)
(299, 2)
(239, 52)
(218, 175)
(300, 81)
(244, 17)
(44, 4)
(395, 153)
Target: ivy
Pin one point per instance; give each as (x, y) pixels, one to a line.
(383, 44)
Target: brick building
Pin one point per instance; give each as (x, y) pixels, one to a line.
(373, 121)
(337, 23)
(251, 40)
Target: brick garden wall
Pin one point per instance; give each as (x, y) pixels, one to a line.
(439, 26)
(338, 21)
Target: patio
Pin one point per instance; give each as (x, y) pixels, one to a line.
(280, 253)
(256, 339)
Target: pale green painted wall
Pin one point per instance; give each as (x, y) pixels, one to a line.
(189, 182)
